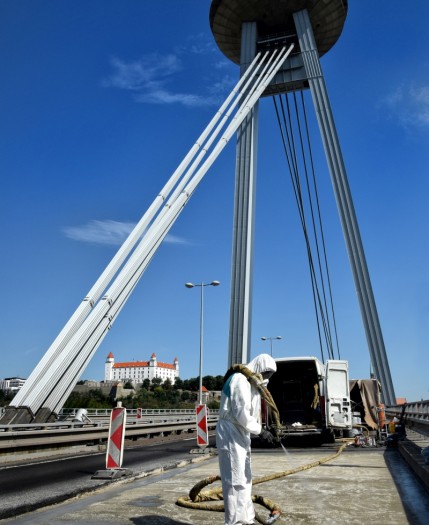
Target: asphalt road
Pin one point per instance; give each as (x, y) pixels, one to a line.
(26, 487)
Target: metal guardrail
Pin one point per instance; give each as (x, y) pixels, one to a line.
(105, 412)
(75, 434)
(142, 415)
(414, 415)
(148, 422)
(62, 434)
(131, 412)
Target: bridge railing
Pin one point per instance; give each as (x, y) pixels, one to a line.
(104, 413)
(60, 435)
(131, 412)
(414, 415)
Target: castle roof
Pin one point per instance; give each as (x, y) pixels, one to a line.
(142, 364)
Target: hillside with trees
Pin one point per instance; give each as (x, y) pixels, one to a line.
(151, 394)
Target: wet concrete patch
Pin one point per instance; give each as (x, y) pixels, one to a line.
(156, 520)
(148, 501)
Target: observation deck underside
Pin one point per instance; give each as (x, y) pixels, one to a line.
(275, 17)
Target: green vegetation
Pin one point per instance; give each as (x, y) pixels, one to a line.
(94, 398)
(6, 398)
(152, 394)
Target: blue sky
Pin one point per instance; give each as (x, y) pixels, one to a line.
(99, 103)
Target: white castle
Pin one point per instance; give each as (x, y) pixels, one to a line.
(138, 371)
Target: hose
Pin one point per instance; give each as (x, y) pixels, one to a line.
(198, 499)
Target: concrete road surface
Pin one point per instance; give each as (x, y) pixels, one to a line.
(362, 485)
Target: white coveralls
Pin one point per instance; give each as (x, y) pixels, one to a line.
(239, 416)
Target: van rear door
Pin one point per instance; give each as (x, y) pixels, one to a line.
(338, 409)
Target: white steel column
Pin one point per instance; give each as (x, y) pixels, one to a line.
(345, 205)
(78, 343)
(244, 218)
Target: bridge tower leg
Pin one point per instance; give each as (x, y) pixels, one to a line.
(298, 73)
(244, 218)
(345, 205)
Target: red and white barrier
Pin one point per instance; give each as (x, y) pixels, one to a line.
(115, 445)
(202, 431)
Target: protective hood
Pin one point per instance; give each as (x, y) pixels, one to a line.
(262, 363)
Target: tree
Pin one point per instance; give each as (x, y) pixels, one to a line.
(166, 385)
(194, 384)
(6, 397)
(209, 382)
(146, 384)
(152, 394)
(185, 395)
(178, 384)
(218, 383)
(92, 399)
(159, 393)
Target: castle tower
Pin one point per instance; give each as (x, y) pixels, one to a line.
(108, 367)
(153, 366)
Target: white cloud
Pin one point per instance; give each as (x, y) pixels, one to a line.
(409, 105)
(144, 74)
(108, 232)
(161, 96)
(199, 45)
(224, 85)
(151, 77)
(173, 239)
(420, 97)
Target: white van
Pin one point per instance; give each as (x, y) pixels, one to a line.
(313, 398)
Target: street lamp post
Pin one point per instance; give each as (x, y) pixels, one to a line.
(270, 339)
(201, 285)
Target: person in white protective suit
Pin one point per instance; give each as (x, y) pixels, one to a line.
(240, 416)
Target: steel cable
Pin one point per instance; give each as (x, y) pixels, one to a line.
(289, 144)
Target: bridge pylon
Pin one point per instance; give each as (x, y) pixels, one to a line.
(260, 36)
(241, 28)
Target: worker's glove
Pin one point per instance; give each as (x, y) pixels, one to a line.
(266, 436)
